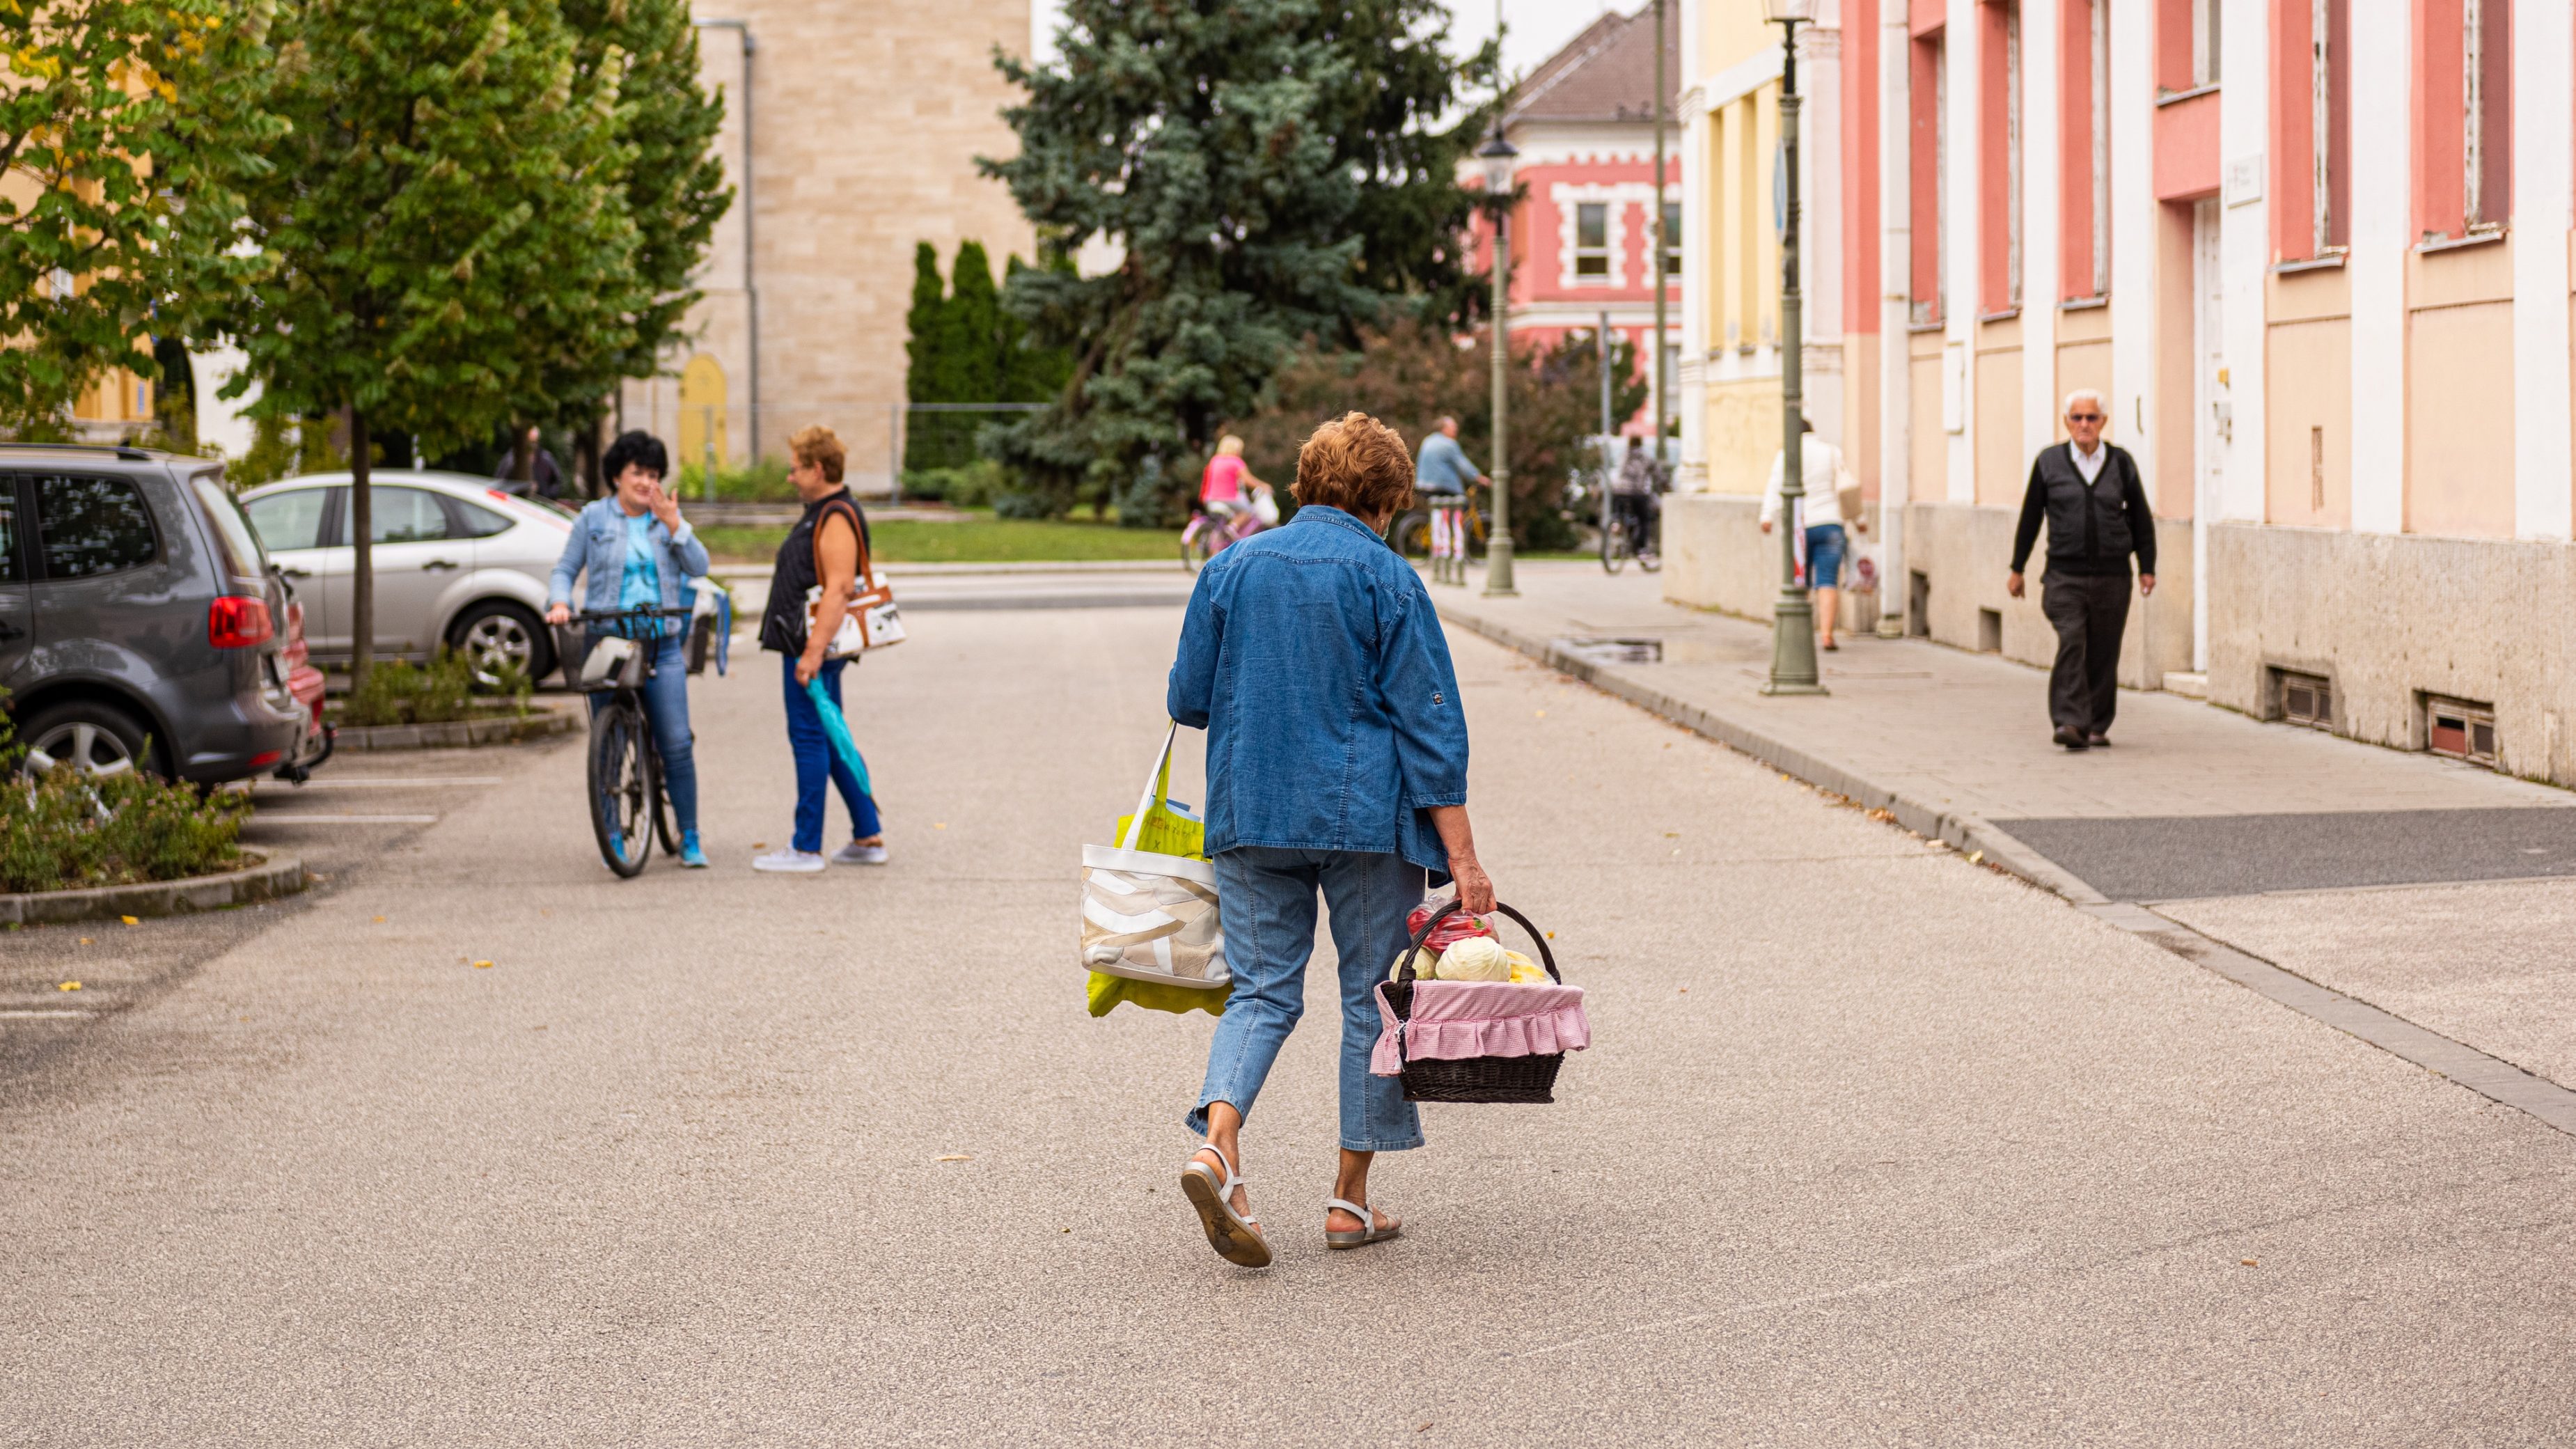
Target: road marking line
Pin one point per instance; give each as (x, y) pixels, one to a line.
(1804, 1300)
(2491, 1077)
(299, 818)
(41, 1015)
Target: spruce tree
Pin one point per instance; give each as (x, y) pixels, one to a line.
(921, 381)
(1274, 169)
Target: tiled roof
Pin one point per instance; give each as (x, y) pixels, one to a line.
(1605, 74)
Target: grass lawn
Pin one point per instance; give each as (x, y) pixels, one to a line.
(979, 539)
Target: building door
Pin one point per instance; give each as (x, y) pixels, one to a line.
(702, 417)
(2215, 427)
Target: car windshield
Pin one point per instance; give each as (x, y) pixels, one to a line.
(232, 528)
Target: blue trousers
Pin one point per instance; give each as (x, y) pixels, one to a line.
(1266, 903)
(815, 760)
(666, 707)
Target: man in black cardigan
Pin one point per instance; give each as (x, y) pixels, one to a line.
(2097, 514)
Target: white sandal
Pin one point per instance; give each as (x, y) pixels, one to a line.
(1365, 1236)
(1236, 1238)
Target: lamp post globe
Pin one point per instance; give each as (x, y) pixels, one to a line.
(1496, 157)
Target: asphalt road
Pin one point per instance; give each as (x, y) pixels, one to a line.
(1873, 1147)
(2185, 857)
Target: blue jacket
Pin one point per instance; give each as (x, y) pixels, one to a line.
(599, 542)
(1311, 656)
(1443, 467)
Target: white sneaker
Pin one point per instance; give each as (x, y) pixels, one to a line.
(796, 862)
(857, 854)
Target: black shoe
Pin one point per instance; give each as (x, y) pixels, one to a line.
(2098, 740)
(2071, 737)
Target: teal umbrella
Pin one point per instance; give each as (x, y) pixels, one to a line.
(837, 728)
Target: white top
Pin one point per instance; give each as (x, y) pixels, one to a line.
(1821, 463)
(2089, 464)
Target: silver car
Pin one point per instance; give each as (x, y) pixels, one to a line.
(458, 562)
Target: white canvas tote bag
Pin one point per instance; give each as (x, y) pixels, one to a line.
(1148, 915)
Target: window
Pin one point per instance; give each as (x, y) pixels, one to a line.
(2303, 699)
(2100, 39)
(1672, 238)
(233, 533)
(93, 526)
(1592, 240)
(2462, 729)
(8, 530)
(2204, 41)
(292, 519)
(1928, 190)
(475, 521)
(1999, 180)
(2486, 78)
(401, 515)
(2330, 113)
(2083, 152)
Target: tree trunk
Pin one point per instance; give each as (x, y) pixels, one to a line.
(362, 583)
(523, 457)
(585, 455)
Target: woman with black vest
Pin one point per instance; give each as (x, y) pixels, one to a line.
(824, 548)
(2097, 513)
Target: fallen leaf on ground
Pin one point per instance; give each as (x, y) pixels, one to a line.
(68, 986)
(939, 825)
(954, 1157)
(2249, 1262)
(84, 940)
(1976, 857)
(129, 920)
(380, 920)
(482, 965)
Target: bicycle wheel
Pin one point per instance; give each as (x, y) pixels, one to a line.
(1614, 543)
(1650, 549)
(621, 786)
(1411, 533)
(1197, 545)
(662, 828)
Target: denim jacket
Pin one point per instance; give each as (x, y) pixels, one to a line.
(1311, 656)
(599, 542)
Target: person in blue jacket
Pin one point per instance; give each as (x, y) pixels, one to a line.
(640, 553)
(1337, 763)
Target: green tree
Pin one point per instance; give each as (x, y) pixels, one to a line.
(119, 126)
(921, 375)
(1274, 169)
(446, 195)
(639, 57)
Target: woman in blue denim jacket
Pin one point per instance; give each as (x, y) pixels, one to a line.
(640, 553)
(1337, 762)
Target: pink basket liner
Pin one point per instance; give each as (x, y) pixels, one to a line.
(1455, 1019)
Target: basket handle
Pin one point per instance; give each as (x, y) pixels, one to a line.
(1546, 957)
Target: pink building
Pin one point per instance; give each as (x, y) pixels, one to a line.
(1583, 240)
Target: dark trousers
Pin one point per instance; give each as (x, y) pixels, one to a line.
(816, 761)
(2090, 612)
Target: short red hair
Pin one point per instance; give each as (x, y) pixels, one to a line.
(1356, 464)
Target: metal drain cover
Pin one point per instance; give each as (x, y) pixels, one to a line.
(1615, 651)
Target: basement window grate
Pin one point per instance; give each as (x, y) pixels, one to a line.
(1990, 631)
(2303, 699)
(2460, 729)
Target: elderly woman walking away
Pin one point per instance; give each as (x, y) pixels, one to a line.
(823, 548)
(1337, 762)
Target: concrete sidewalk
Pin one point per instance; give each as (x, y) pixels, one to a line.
(2193, 801)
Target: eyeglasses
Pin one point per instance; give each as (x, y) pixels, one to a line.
(2084, 417)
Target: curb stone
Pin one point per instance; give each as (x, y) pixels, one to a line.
(1963, 832)
(503, 730)
(278, 875)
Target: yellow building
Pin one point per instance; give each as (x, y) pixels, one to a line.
(1730, 369)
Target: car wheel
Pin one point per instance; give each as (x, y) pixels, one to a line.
(88, 736)
(494, 632)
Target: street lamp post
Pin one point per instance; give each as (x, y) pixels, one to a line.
(1497, 156)
(1793, 618)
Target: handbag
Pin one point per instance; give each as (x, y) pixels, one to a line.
(1148, 912)
(872, 621)
(1477, 1041)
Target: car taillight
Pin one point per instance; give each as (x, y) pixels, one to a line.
(233, 622)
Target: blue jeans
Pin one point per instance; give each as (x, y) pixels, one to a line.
(1266, 902)
(1825, 556)
(666, 707)
(814, 759)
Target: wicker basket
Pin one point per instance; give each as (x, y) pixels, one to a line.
(1474, 1079)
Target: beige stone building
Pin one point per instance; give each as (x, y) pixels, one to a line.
(850, 136)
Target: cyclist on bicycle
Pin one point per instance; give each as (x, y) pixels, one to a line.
(1632, 492)
(1442, 474)
(640, 554)
(1221, 487)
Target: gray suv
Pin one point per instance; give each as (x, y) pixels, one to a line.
(140, 622)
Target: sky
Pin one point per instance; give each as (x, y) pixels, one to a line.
(1534, 29)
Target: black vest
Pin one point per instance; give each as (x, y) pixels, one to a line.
(782, 625)
(2088, 524)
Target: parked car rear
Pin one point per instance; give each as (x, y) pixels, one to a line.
(139, 619)
(458, 563)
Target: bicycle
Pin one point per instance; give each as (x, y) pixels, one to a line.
(1208, 533)
(628, 806)
(1410, 534)
(1624, 536)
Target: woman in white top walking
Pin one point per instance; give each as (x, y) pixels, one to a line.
(1820, 516)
